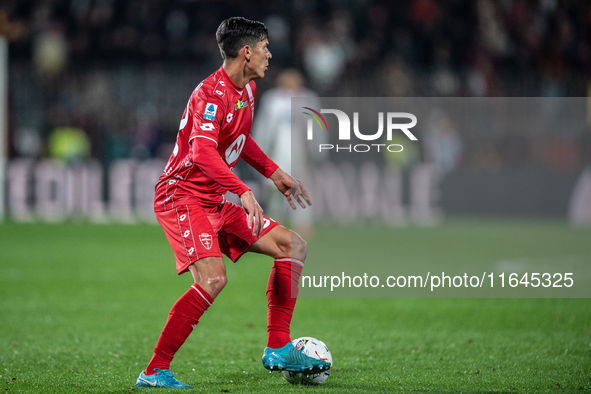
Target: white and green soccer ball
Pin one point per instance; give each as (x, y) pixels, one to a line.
(314, 348)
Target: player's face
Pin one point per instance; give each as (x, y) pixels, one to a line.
(259, 59)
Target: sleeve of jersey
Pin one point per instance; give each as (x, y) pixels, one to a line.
(255, 157)
(211, 163)
(207, 111)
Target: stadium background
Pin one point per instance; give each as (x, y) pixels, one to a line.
(108, 79)
(101, 85)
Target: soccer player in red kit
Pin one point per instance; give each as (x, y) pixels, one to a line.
(200, 225)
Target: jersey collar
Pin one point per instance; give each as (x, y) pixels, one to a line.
(230, 83)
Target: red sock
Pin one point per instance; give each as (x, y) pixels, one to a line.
(282, 292)
(182, 319)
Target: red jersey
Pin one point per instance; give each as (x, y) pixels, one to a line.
(213, 134)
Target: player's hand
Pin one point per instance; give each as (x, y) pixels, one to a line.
(254, 213)
(292, 188)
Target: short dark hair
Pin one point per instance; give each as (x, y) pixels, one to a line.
(236, 32)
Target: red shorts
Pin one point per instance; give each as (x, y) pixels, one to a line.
(195, 232)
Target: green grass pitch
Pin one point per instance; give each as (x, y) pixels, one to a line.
(81, 307)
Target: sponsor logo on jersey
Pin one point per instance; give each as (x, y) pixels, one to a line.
(210, 110)
(186, 233)
(191, 251)
(233, 152)
(207, 126)
(182, 218)
(240, 104)
(206, 240)
(229, 117)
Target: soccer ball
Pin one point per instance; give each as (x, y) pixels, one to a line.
(314, 348)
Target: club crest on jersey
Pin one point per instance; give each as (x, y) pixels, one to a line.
(240, 104)
(210, 110)
(206, 240)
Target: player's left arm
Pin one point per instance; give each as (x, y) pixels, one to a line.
(257, 159)
(292, 188)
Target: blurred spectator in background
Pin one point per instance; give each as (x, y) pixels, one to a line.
(144, 134)
(280, 30)
(397, 79)
(68, 144)
(287, 145)
(442, 142)
(327, 49)
(579, 210)
(50, 51)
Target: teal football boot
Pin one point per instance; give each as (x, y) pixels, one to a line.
(162, 379)
(288, 358)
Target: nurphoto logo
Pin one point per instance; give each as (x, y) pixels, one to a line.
(344, 132)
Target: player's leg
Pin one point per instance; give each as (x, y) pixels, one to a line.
(191, 249)
(280, 242)
(210, 274)
(289, 251)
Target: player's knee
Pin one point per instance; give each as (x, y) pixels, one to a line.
(299, 247)
(217, 282)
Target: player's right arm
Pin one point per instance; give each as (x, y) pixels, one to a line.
(210, 162)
